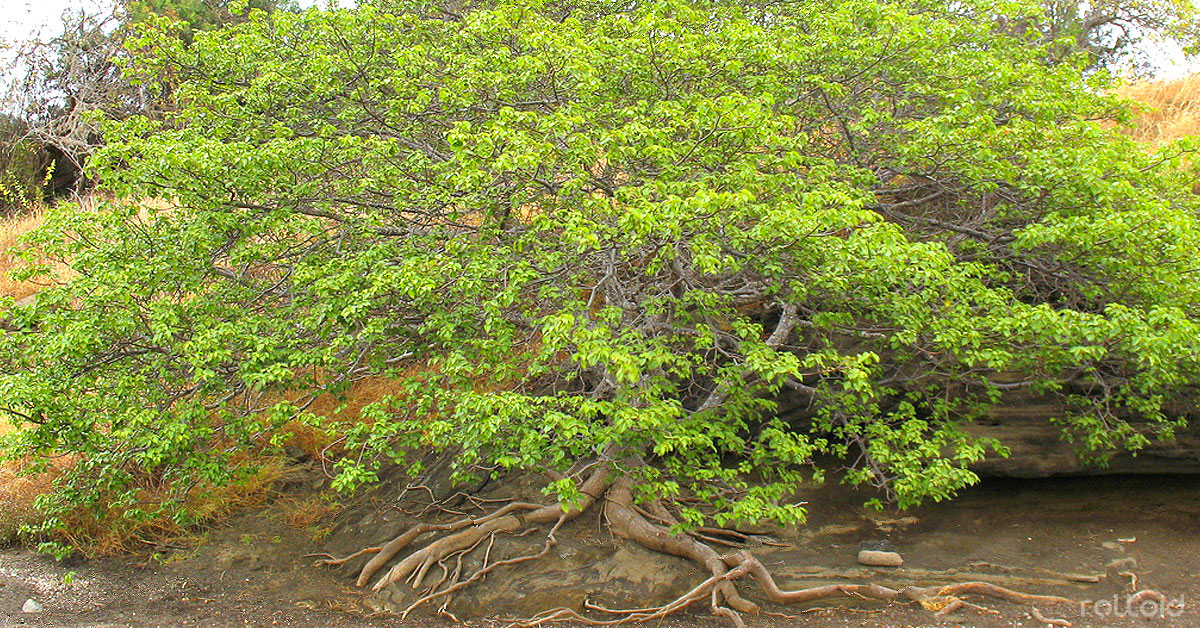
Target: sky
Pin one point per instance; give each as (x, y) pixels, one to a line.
(21, 19)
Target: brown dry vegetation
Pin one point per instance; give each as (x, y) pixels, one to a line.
(102, 535)
(113, 533)
(345, 409)
(1166, 111)
(11, 230)
(303, 514)
(17, 492)
(17, 495)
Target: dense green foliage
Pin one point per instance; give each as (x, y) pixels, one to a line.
(65, 84)
(200, 15)
(588, 233)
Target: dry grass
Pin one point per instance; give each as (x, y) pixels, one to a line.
(113, 533)
(304, 514)
(1166, 111)
(17, 492)
(11, 230)
(338, 411)
(17, 495)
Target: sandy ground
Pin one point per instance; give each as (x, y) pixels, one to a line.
(249, 573)
(252, 572)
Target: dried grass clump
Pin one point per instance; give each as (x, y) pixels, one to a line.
(338, 412)
(17, 495)
(11, 230)
(109, 533)
(306, 513)
(1166, 110)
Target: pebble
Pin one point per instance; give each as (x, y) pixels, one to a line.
(877, 558)
(31, 606)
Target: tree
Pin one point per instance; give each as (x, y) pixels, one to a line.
(201, 15)
(21, 166)
(598, 243)
(71, 81)
(1113, 33)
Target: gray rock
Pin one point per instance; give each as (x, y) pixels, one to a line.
(876, 558)
(1025, 422)
(31, 606)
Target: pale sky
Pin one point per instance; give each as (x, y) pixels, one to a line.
(21, 19)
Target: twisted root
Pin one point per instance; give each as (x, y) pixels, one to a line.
(648, 526)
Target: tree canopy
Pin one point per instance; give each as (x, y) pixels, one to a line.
(593, 237)
(65, 84)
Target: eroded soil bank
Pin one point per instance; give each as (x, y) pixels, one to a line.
(1082, 538)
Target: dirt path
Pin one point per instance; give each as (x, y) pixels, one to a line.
(249, 573)
(1030, 535)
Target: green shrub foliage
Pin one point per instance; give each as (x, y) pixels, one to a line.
(613, 233)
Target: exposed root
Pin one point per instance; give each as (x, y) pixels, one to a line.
(699, 592)
(463, 537)
(486, 568)
(941, 599)
(627, 523)
(951, 605)
(717, 536)
(329, 561)
(396, 545)
(1133, 579)
(1147, 594)
(649, 526)
(1063, 575)
(445, 506)
(1047, 621)
(929, 597)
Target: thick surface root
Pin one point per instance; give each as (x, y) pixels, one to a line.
(647, 525)
(941, 600)
(627, 523)
(464, 536)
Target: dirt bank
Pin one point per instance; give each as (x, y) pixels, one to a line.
(1049, 536)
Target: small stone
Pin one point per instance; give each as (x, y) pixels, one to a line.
(31, 606)
(1113, 546)
(876, 558)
